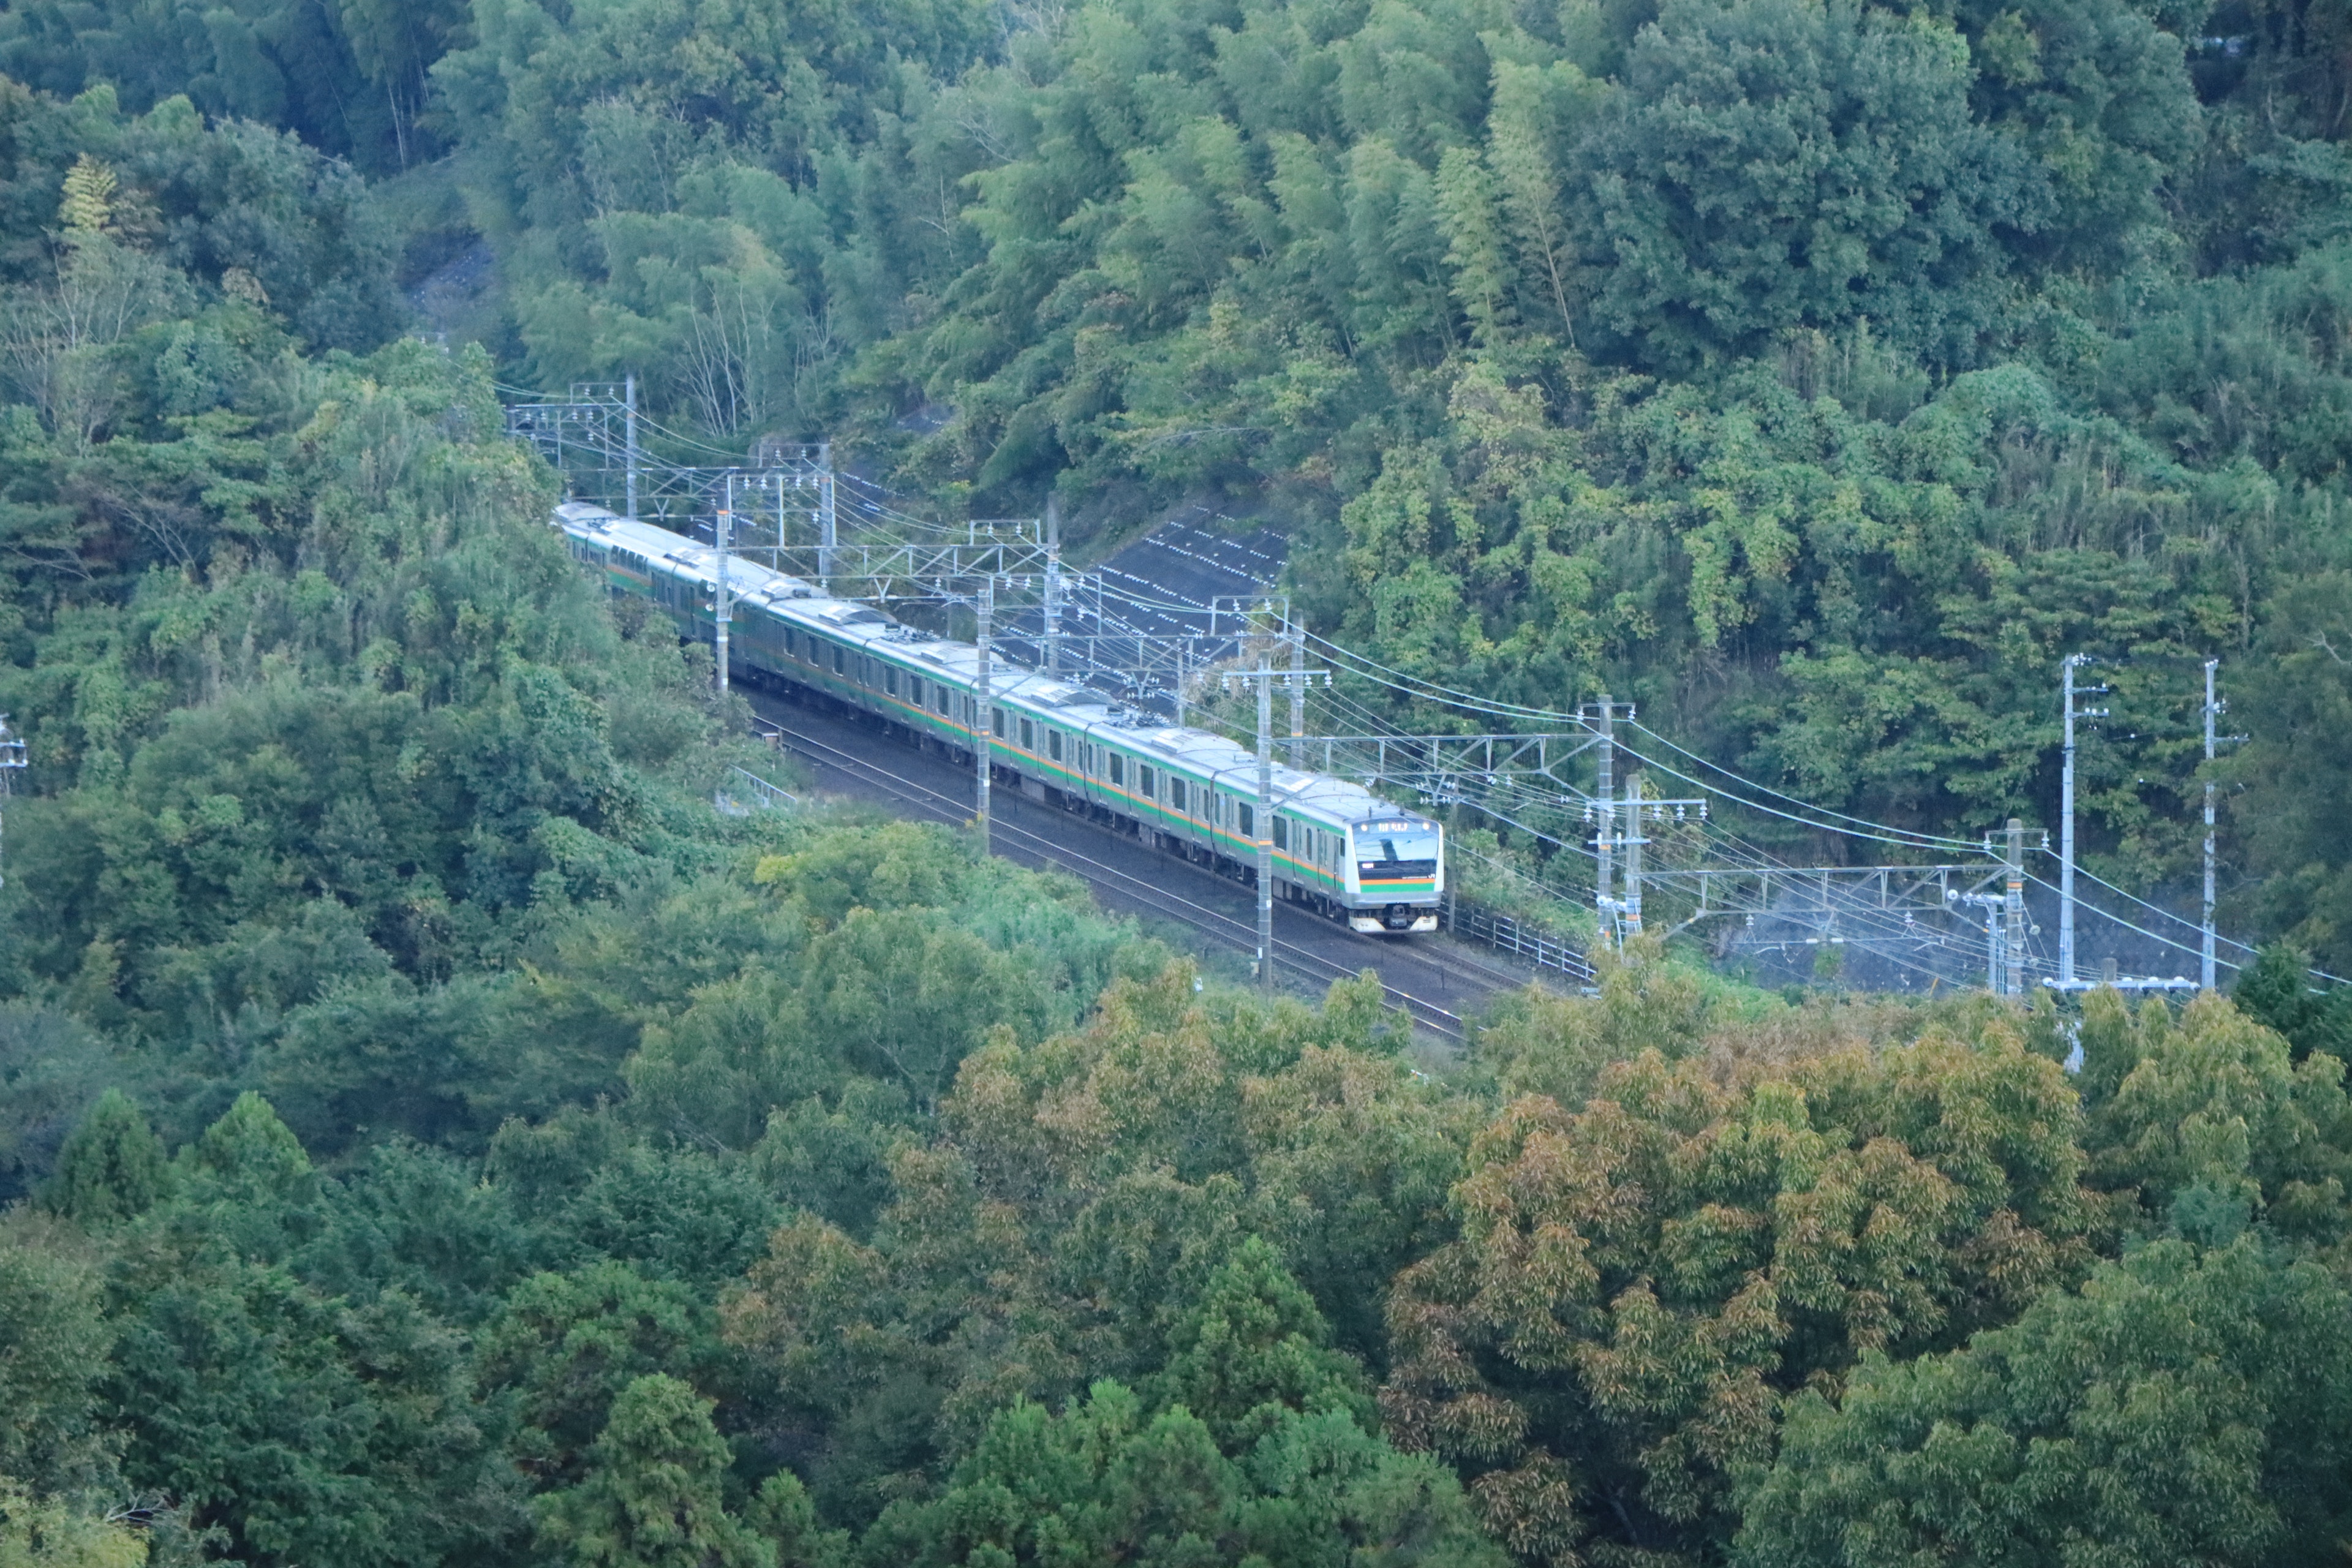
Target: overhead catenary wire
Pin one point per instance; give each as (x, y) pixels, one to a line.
(1877, 930)
(2051, 887)
(2089, 876)
(864, 497)
(1398, 681)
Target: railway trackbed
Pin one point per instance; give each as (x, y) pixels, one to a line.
(1437, 988)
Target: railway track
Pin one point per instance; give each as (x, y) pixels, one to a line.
(1408, 977)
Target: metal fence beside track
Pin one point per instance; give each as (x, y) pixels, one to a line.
(1468, 923)
(742, 792)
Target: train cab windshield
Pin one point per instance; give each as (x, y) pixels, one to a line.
(1396, 851)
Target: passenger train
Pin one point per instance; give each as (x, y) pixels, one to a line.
(1336, 847)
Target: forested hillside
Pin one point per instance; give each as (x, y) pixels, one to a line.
(1816, 374)
(432, 1135)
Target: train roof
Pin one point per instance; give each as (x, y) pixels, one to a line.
(1200, 751)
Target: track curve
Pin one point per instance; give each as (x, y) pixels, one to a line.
(1437, 984)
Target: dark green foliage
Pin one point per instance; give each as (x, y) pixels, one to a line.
(2184, 1407)
(236, 206)
(53, 1345)
(346, 75)
(1109, 1481)
(836, 1162)
(310, 1428)
(453, 1143)
(564, 1347)
(2301, 704)
(1779, 163)
(51, 1068)
(306, 1425)
(2277, 991)
(1253, 1345)
(112, 1167)
(651, 1499)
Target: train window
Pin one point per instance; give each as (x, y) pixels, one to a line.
(1054, 744)
(1118, 769)
(1249, 820)
(1281, 834)
(1028, 736)
(939, 699)
(840, 660)
(890, 680)
(1175, 793)
(1149, 782)
(997, 722)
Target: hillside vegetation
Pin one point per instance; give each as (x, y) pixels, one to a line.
(432, 1135)
(1816, 374)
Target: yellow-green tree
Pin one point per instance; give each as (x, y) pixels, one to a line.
(1639, 1284)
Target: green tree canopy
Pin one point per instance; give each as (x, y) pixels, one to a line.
(1640, 1283)
(1779, 163)
(112, 1167)
(2182, 1406)
(651, 1497)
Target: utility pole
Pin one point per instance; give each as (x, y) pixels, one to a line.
(983, 716)
(1053, 585)
(11, 761)
(1260, 826)
(723, 612)
(826, 521)
(629, 419)
(1604, 794)
(1180, 684)
(1263, 823)
(1297, 693)
(1634, 842)
(2205, 931)
(2066, 830)
(2014, 910)
(2067, 667)
(1992, 904)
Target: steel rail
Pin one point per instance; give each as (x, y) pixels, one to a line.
(1212, 922)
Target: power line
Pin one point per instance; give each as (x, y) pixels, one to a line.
(2128, 925)
(861, 495)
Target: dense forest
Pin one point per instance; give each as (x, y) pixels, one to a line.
(432, 1133)
(1817, 375)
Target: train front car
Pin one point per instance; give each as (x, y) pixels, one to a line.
(1396, 874)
